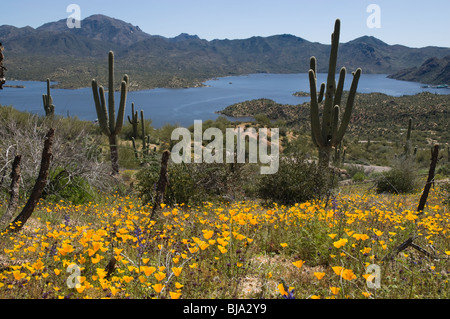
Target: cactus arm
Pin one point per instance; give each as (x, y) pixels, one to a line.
(96, 97)
(122, 105)
(133, 115)
(350, 103)
(100, 107)
(142, 124)
(48, 87)
(340, 87)
(144, 141)
(315, 122)
(313, 66)
(321, 93)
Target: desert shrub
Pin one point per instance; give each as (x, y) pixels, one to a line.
(445, 191)
(77, 150)
(63, 186)
(359, 177)
(188, 183)
(401, 179)
(444, 170)
(354, 169)
(297, 180)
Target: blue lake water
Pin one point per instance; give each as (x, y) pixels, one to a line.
(183, 106)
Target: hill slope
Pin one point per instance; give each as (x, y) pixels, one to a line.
(433, 71)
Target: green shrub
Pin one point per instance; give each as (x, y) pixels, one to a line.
(63, 186)
(298, 180)
(359, 177)
(444, 170)
(401, 179)
(188, 183)
(445, 191)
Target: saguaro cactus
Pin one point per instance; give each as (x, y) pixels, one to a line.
(134, 121)
(145, 140)
(111, 126)
(330, 132)
(49, 107)
(408, 139)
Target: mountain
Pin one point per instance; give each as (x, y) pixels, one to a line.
(433, 71)
(73, 57)
(102, 28)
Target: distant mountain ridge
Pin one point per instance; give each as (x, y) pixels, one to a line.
(102, 28)
(433, 71)
(73, 57)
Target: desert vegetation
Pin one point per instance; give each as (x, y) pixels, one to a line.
(145, 227)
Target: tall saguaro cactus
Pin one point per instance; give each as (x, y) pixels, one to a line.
(111, 126)
(329, 134)
(49, 107)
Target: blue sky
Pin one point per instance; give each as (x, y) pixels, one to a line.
(415, 23)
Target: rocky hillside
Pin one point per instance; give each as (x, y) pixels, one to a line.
(433, 71)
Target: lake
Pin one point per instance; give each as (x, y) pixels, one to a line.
(183, 106)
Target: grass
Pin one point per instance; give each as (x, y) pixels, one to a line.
(231, 250)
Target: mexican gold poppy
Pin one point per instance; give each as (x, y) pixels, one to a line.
(340, 243)
(177, 271)
(160, 276)
(18, 275)
(148, 270)
(337, 270)
(319, 275)
(158, 288)
(127, 279)
(174, 295)
(348, 274)
(282, 290)
(335, 290)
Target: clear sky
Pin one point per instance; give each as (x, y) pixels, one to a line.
(414, 23)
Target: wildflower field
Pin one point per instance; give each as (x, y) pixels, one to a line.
(240, 250)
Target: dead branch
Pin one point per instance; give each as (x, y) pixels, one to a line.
(14, 192)
(162, 183)
(41, 181)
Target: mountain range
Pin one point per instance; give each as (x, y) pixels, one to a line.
(73, 57)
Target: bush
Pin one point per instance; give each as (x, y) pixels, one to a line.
(188, 183)
(401, 179)
(77, 150)
(445, 191)
(63, 186)
(359, 177)
(444, 170)
(297, 180)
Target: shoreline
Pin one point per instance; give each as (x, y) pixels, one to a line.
(201, 83)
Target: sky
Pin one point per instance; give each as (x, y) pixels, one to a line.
(414, 23)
